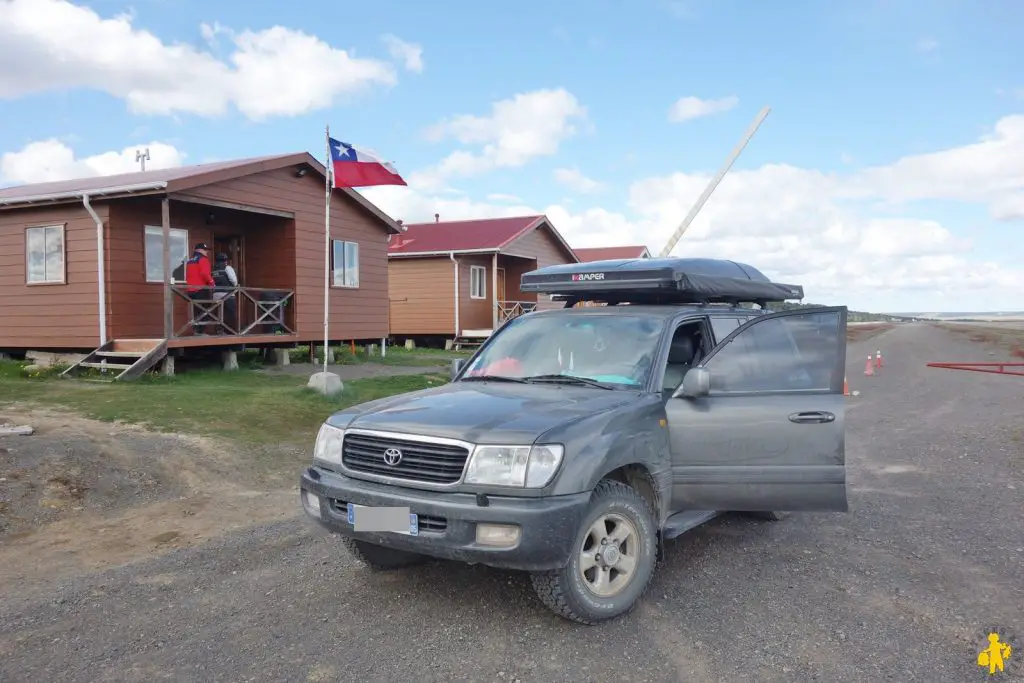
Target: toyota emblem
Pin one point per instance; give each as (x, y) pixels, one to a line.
(392, 456)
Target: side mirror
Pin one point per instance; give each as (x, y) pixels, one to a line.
(696, 383)
(457, 364)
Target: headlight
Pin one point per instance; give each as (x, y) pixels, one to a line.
(529, 466)
(328, 444)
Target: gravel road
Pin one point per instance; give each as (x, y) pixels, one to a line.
(900, 588)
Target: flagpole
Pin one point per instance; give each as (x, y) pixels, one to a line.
(327, 243)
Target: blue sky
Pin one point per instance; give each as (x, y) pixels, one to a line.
(853, 86)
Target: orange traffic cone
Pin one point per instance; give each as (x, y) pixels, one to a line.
(878, 359)
(846, 387)
(868, 369)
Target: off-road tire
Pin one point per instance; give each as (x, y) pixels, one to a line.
(563, 591)
(381, 557)
(769, 515)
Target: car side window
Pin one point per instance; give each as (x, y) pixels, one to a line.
(723, 327)
(790, 353)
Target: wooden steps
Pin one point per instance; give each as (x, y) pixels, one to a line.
(461, 343)
(121, 359)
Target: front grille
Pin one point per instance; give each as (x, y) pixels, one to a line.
(434, 463)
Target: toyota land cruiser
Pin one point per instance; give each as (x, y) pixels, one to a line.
(577, 440)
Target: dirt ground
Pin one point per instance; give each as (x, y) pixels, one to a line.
(84, 495)
(865, 331)
(130, 556)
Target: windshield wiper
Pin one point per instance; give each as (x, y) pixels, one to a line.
(568, 379)
(492, 378)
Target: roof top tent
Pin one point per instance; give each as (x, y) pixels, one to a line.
(659, 281)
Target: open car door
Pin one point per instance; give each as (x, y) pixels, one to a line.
(766, 432)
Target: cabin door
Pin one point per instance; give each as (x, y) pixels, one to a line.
(232, 246)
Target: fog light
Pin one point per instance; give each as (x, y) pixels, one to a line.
(311, 504)
(497, 535)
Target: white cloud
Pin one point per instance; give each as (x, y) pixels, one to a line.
(830, 232)
(53, 44)
(410, 54)
(574, 179)
(800, 226)
(518, 129)
(990, 171)
(50, 160)
(505, 198)
(688, 108)
(927, 45)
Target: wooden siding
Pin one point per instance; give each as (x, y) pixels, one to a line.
(514, 269)
(422, 292)
(475, 314)
(541, 245)
(50, 315)
(356, 313)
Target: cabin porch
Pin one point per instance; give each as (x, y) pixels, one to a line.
(151, 236)
(492, 294)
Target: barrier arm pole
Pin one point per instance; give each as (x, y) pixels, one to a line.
(714, 183)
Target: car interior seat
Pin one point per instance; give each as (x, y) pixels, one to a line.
(681, 356)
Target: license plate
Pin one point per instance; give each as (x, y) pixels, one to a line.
(396, 520)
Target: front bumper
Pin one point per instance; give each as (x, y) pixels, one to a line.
(448, 521)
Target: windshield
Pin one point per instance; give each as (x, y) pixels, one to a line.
(613, 349)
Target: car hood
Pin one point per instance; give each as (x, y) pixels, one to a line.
(488, 412)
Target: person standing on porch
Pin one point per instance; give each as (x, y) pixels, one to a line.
(225, 278)
(199, 284)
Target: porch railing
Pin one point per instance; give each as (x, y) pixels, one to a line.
(507, 310)
(257, 311)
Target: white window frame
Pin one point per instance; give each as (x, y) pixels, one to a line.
(157, 229)
(482, 293)
(63, 275)
(342, 284)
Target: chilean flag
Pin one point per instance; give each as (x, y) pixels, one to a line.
(355, 168)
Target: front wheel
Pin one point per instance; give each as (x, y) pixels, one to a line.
(613, 559)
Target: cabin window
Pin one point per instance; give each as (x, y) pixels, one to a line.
(154, 248)
(44, 255)
(477, 282)
(346, 264)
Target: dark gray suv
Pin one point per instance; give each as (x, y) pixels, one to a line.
(577, 440)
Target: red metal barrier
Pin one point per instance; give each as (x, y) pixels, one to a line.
(994, 368)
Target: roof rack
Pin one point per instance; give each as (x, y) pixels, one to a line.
(658, 281)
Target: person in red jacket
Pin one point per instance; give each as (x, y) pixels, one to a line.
(199, 281)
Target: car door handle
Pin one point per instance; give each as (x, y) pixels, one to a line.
(812, 417)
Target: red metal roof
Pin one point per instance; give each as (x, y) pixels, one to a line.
(169, 180)
(607, 253)
(470, 235)
(100, 182)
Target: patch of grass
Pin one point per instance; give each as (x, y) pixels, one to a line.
(244, 406)
(396, 355)
(1009, 337)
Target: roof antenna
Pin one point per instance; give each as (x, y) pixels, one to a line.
(142, 157)
(714, 183)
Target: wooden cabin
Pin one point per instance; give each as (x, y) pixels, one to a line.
(459, 280)
(589, 254)
(83, 263)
